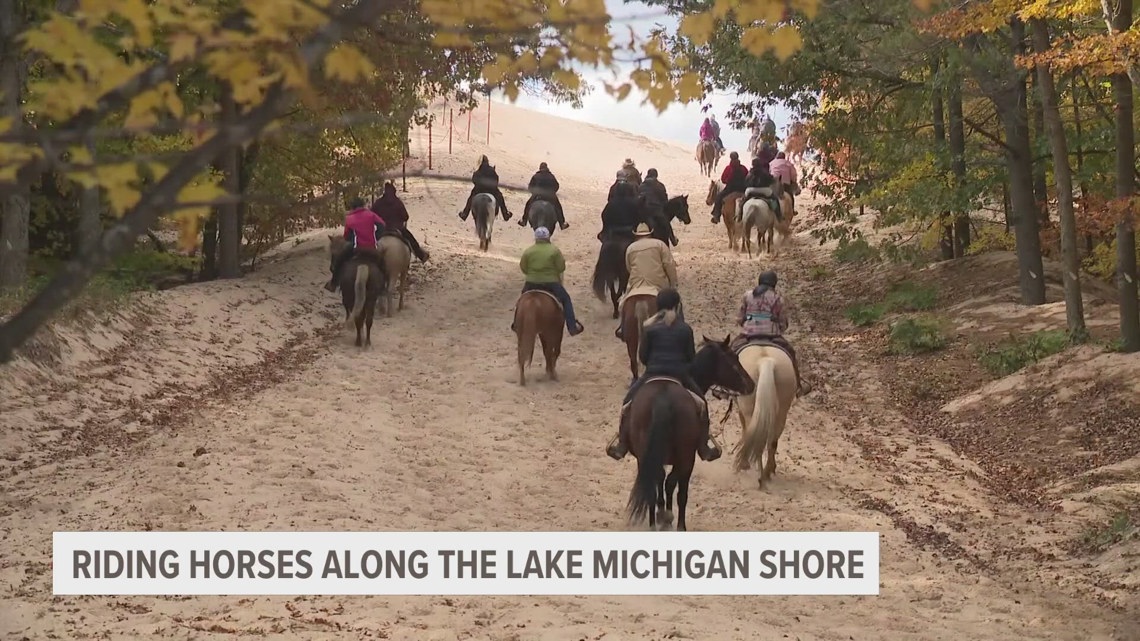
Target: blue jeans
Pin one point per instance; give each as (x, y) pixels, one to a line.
(563, 297)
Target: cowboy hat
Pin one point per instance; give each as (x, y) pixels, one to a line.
(642, 230)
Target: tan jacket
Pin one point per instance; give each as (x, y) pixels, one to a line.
(651, 267)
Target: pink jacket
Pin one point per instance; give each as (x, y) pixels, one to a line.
(762, 315)
(783, 169)
(360, 227)
(707, 131)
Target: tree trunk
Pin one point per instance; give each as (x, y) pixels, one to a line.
(958, 165)
(938, 119)
(16, 206)
(229, 224)
(89, 228)
(1119, 20)
(1063, 180)
(209, 269)
(1038, 134)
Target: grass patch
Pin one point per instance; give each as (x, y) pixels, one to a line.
(1100, 538)
(865, 314)
(1021, 351)
(909, 296)
(916, 335)
(130, 273)
(855, 251)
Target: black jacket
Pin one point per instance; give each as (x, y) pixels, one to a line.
(654, 192)
(486, 177)
(544, 182)
(759, 179)
(621, 189)
(667, 350)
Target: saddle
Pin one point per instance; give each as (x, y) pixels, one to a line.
(541, 291)
(754, 193)
(778, 343)
(702, 404)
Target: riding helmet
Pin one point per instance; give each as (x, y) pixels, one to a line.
(768, 278)
(652, 173)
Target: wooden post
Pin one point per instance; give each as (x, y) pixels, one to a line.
(488, 119)
(429, 142)
(469, 124)
(450, 129)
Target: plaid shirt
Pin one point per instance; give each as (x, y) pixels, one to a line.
(762, 315)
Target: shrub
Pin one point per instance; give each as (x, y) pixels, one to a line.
(908, 296)
(916, 335)
(1021, 351)
(865, 314)
(855, 251)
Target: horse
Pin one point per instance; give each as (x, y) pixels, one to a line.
(611, 272)
(756, 213)
(708, 156)
(634, 312)
(543, 214)
(677, 208)
(397, 260)
(796, 143)
(764, 413)
(483, 209)
(727, 210)
(538, 314)
(361, 283)
(665, 430)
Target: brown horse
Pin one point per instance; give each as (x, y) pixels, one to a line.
(635, 310)
(397, 257)
(361, 283)
(665, 429)
(727, 211)
(708, 157)
(538, 314)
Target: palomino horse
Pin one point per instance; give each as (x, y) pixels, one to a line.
(635, 310)
(483, 210)
(665, 429)
(543, 214)
(796, 143)
(611, 271)
(361, 283)
(727, 210)
(708, 156)
(397, 259)
(764, 413)
(756, 213)
(538, 314)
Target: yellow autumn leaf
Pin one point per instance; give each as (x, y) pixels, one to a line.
(119, 179)
(698, 27)
(348, 64)
(786, 41)
(623, 91)
(690, 87)
(755, 40)
(497, 70)
(136, 12)
(141, 114)
(511, 90)
(567, 78)
(182, 47)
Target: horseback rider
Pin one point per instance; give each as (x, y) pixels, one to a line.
(763, 317)
(783, 170)
(362, 228)
(654, 196)
(392, 211)
(768, 130)
(486, 180)
(733, 178)
(666, 349)
(760, 183)
(650, 264)
(632, 174)
(716, 134)
(543, 186)
(622, 188)
(622, 213)
(767, 152)
(543, 265)
(708, 132)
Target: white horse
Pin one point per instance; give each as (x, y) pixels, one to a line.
(483, 209)
(756, 213)
(764, 413)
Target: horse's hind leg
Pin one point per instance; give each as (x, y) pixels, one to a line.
(667, 507)
(550, 353)
(403, 288)
(682, 499)
(368, 322)
(614, 296)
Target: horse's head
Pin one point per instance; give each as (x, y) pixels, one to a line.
(678, 207)
(719, 366)
(713, 191)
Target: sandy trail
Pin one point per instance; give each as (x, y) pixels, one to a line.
(430, 431)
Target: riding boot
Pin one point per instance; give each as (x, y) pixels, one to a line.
(617, 448)
(707, 449)
(562, 224)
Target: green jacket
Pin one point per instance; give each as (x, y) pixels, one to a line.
(542, 262)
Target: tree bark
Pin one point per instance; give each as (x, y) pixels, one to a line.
(229, 223)
(89, 228)
(16, 203)
(958, 164)
(1063, 180)
(1037, 134)
(938, 119)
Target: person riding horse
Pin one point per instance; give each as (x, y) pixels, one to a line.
(486, 180)
(651, 267)
(716, 134)
(654, 196)
(622, 212)
(392, 211)
(761, 184)
(543, 186)
(783, 170)
(763, 317)
(543, 265)
(667, 349)
(631, 173)
(622, 188)
(733, 178)
(362, 228)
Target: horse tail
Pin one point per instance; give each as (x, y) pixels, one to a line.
(651, 463)
(360, 289)
(641, 313)
(528, 332)
(763, 419)
(601, 276)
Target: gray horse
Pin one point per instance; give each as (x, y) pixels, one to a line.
(483, 208)
(542, 214)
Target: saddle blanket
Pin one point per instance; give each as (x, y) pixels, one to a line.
(650, 290)
(760, 342)
(701, 403)
(542, 291)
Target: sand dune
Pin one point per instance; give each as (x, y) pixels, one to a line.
(243, 405)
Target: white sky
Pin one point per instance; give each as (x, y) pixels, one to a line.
(678, 123)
